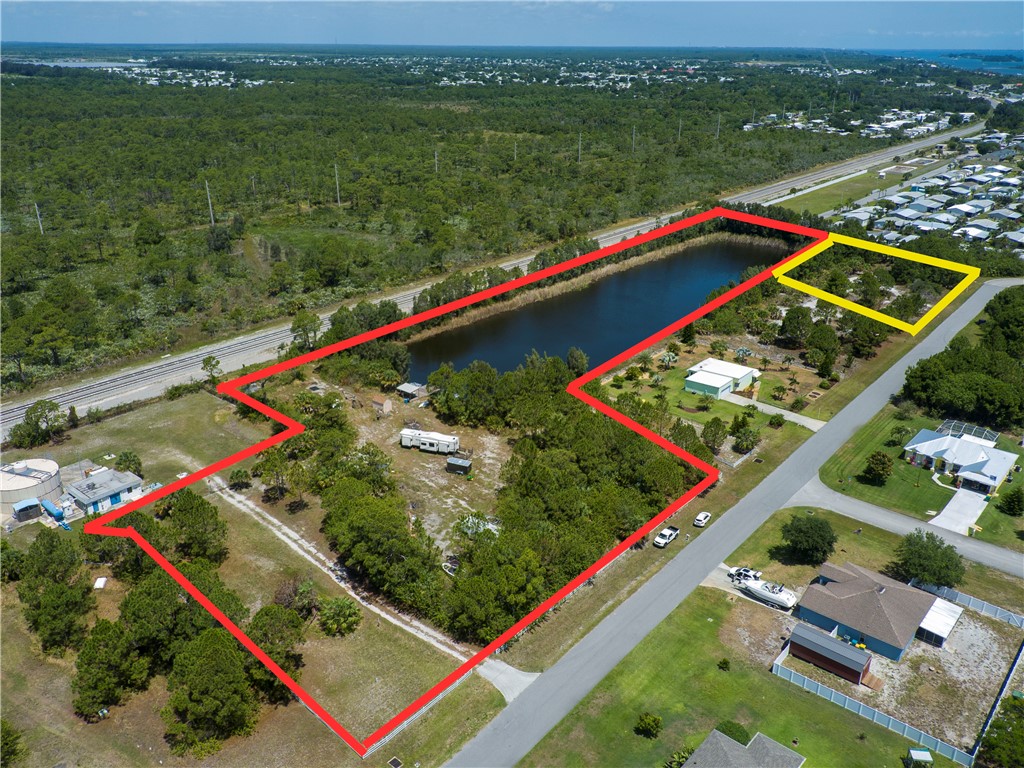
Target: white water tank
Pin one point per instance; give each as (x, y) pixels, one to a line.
(31, 478)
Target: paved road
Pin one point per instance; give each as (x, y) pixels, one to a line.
(816, 494)
(781, 188)
(524, 722)
(140, 382)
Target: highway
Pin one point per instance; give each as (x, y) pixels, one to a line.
(544, 703)
(147, 380)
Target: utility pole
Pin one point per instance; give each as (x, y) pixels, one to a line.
(679, 133)
(833, 105)
(633, 147)
(39, 219)
(718, 130)
(515, 151)
(254, 186)
(579, 150)
(435, 161)
(337, 185)
(209, 201)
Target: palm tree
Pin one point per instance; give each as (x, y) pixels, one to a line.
(765, 363)
(644, 359)
(787, 361)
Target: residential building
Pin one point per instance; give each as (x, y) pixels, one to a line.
(864, 607)
(975, 462)
(720, 751)
(718, 377)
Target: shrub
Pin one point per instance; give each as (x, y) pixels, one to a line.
(734, 731)
(724, 665)
(777, 420)
(1012, 503)
(648, 725)
(798, 405)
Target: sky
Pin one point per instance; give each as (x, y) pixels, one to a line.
(913, 24)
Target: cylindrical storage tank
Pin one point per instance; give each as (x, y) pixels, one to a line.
(31, 478)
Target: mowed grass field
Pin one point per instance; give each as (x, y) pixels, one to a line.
(170, 437)
(673, 673)
(910, 489)
(836, 195)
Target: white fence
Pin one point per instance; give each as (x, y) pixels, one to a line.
(946, 593)
(870, 713)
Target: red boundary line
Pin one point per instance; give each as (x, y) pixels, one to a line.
(100, 526)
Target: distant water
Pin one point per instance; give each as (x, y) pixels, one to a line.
(603, 319)
(86, 64)
(944, 58)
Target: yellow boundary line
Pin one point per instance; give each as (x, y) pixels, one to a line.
(970, 275)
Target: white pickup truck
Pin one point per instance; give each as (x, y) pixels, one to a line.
(666, 536)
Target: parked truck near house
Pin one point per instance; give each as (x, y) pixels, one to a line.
(429, 442)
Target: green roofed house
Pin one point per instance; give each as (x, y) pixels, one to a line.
(717, 377)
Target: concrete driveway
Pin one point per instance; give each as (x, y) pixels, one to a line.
(962, 511)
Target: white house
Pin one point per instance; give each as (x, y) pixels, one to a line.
(975, 463)
(718, 377)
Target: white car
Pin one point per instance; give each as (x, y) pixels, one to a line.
(744, 574)
(666, 536)
(702, 519)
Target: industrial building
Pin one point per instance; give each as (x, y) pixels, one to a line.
(31, 480)
(103, 489)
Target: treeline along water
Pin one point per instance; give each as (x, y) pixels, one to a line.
(603, 318)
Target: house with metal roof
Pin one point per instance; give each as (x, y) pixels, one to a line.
(864, 607)
(977, 464)
(103, 489)
(718, 377)
(720, 751)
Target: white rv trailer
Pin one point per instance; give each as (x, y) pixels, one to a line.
(430, 442)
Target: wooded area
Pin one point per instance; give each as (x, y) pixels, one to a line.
(428, 178)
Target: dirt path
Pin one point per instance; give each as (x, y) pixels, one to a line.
(309, 552)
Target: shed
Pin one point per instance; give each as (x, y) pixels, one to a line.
(829, 653)
(382, 404)
(26, 509)
(459, 466)
(411, 389)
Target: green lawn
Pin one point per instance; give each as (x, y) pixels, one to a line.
(169, 436)
(835, 195)
(673, 673)
(910, 489)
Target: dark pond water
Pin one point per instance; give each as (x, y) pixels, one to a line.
(603, 319)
